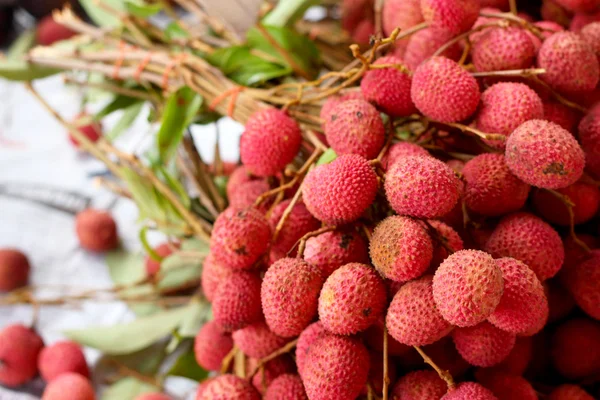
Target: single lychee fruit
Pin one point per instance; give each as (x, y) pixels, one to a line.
(374, 340)
(228, 387)
(425, 43)
(389, 88)
(335, 100)
(483, 345)
(467, 287)
(506, 386)
(69, 386)
(247, 193)
(330, 250)
(237, 178)
(569, 392)
(280, 365)
(153, 396)
(286, 387)
(502, 48)
(257, 340)
(591, 35)
(96, 230)
(518, 359)
(305, 341)
(290, 292)
(14, 269)
(445, 238)
(363, 32)
(401, 150)
(352, 299)
(562, 115)
(576, 349)
(505, 106)
(19, 349)
(336, 367)
(413, 318)
(545, 155)
(401, 249)
(90, 128)
(240, 237)
(529, 239)
(421, 187)
(339, 192)
(571, 65)
(213, 273)
(298, 223)
(236, 303)
(589, 136)
(419, 385)
(584, 196)
(444, 91)
(401, 14)
(211, 345)
(453, 16)
(60, 358)
(354, 12)
(547, 28)
(469, 391)
(270, 142)
(584, 6)
(163, 250)
(583, 282)
(491, 189)
(49, 32)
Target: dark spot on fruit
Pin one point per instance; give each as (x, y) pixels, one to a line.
(359, 114)
(334, 117)
(241, 251)
(346, 240)
(555, 169)
(366, 312)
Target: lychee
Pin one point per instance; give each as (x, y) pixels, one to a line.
(400, 150)
(401, 249)
(247, 193)
(257, 340)
(49, 32)
(419, 385)
(96, 230)
(14, 269)
(425, 43)
(69, 386)
(469, 391)
(163, 250)
(305, 341)
(584, 6)
(374, 340)
(552, 11)
(153, 396)
(506, 386)
(584, 196)
(286, 387)
(270, 142)
(589, 136)
(330, 250)
(483, 345)
(444, 91)
(88, 127)
(236, 303)
(339, 192)
(211, 345)
(363, 32)
(401, 14)
(352, 299)
(270, 371)
(580, 20)
(560, 301)
(562, 115)
(453, 16)
(591, 35)
(354, 12)
(19, 349)
(228, 387)
(583, 282)
(574, 253)
(576, 348)
(213, 273)
(502, 48)
(445, 238)
(518, 359)
(298, 223)
(237, 178)
(335, 100)
(569, 392)
(60, 358)
(547, 28)
(529, 239)
(413, 318)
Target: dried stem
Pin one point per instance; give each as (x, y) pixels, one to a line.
(379, 17)
(569, 205)
(113, 187)
(513, 6)
(445, 375)
(526, 73)
(386, 377)
(467, 129)
(557, 96)
(282, 350)
(286, 213)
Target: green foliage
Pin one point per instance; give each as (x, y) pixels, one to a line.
(328, 156)
(99, 15)
(127, 389)
(20, 70)
(141, 9)
(21, 45)
(130, 114)
(287, 12)
(186, 365)
(119, 102)
(175, 31)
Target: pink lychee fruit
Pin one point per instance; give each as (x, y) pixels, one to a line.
(576, 348)
(213, 273)
(400, 150)
(445, 241)
(236, 303)
(585, 198)
(257, 340)
(425, 43)
(453, 16)
(69, 386)
(583, 282)
(506, 386)
(90, 128)
(584, 6)
(363, 32)
(518, 359)
(248, 192)
(562, 115)
(60, 358)
(335, 100)
(211, 345)
(499, 49)
(401, 14)
(237, 178)
(298, 223)
(163, 250)
(469, 391)
(280, 365)
(354, 12)
(14, 269)
(96, 230)
(591, 34)
(483, 345)
(547, 28)
(19, 349)
(228, 387)
(49, 31)
(419, 385)
(569, 392)
(589, 136)
(330, 250)
(153, 396)
(286, 387)
(307, 338)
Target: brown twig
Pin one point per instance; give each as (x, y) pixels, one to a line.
(386, 377)
(465, 128)
(303, 239)
(445, 375)
(226, 363)
(526, 73)
(282, 350)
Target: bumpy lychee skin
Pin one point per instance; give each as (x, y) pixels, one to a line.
(389, 88)
(580, 20)
(401, 14)
(419, 385)
(60, 358)
(491, 189)
(240, 237)
(591, 34)
(211, 345)
(583, 282)
(298, 223)
(529, 239)
(14, 269)
(589, 136)
(305, 341)
(425, 43)
(247, 193)
(469, 391)
(237, 178)
(339, 192)
(583, 6)
(236, 303)
(19, 349)
(49, 31)
(569, 392)
(506, 386)
(500, 49)
(576, 349)
(584, 196)
(153, 396)
(164, 250)
(421, 187)
(444, 237)
(330, 250)
(571, 65)
(286, 387)
(89, 128)
(483, 345)
(69, 386)
(355, 127)
(228, 387)
(562, 115)
(401, 150)
(523, 308)
(454, 16)
(290, 292)
(444, 91)
(270, 142)
(401, 249)
(544, 154)
(336, 367)
(505, 106)
(280, 365)
(518, 359)
(96, 230)
(213, 273)
(333, 101)
(413, 318)
(352, 299)
(547, 29)
(467, 287)
(257, 340)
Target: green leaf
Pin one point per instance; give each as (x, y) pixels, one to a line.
(175, 185)
(287, 12)
(328, 156)
(21, 46)
(19, 70)
(99, 15)
(125, 268)
(186, 366)
(180, 111)
(127, 389)
(141, 9)
(176, 270)
(129, 116)
(175, 31)
(120, 102)
(195, 244)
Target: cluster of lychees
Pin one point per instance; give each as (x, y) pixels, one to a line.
(450, 241)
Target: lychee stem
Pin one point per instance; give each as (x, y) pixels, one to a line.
(286, 213)
(445, 375)
(465, 35)
(557, 96)
(226, 363)
(525, 73)
(303, 239)
(513, 6)
(378, 8)
(282, 350)
(386, 378)
(465, 128)
(239, 364)
(569, 204)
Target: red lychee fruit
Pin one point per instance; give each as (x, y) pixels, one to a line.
(363, 32)
(401, 150)
(421, 187)
(576, 349)
(257, 340)
(583, 282)
(562, 115)
(444, 237)
(389, 88)
(355, 127)
(228, 387)
(290, 292)
(305, 341)
(453, 16)
(413, 318)
(419, 385)
(545, 155)
(425, 43)
(336, 367)
(89, 128)
(286, 387)
(270, 142)
(483, 345)
(236, 303)
(164, 250)
(237, 178)
(571, 65)
(589, 136)
(335, 100)
(153, 396)
(505, 106)
(270, 371)
(467, 287)
(501, 5)
(584, 6)
(211, 345)
(240, 237)
(14, 269)
(401, 249)
(213, 273)
(591, 34)
(469, 391)
(19, 349)
(298, 223)
(96, 230)
(547, 28)
(518, 359)
(49, 32)
(352, 299)
(444, 91)
(330, 250)
(500, 49)
(60, 358)
(69, 386)
(569, 392)
(506, 386)
(491, 189)
(529, 239)
(354, 12)
(247, 193)
(584, 196)
(339, 192)
(401, 14)
(374, 340)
